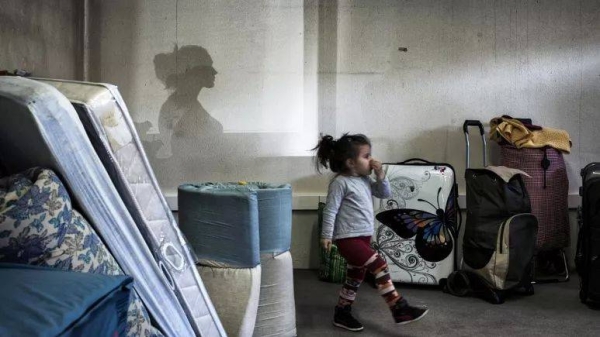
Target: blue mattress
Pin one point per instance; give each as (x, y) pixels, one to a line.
(232, 224)
(43, 302)
(274, 216)
(40, 128)
(221, 224)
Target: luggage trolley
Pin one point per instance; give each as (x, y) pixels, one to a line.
(500, 231)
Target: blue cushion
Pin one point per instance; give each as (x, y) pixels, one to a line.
(39, 301)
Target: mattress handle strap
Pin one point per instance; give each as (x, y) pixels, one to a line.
(167, 275)
(170, 249)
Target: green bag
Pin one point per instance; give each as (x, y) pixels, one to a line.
(332, 267)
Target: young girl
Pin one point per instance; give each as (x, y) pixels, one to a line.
(348, 221)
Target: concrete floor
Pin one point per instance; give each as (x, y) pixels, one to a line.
(554, 310)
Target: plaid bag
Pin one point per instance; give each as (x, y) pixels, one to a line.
(332, 267)
(548, 190)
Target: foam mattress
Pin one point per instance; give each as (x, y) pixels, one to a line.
(221, 222)
(274, 216)
(109, 126)
(41, 128)
(236, 294)
(276, 314)
(231, 224)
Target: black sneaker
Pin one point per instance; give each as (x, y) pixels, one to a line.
(343, 318)
(404, 313)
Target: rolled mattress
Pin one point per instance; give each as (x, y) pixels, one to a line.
(40, 128)
(233, 204)
(108, 124)
(274, 216)
(221, 223)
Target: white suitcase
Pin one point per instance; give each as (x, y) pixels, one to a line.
(416, 228)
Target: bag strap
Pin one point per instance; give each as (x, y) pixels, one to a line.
(458, 284)
(545, 164)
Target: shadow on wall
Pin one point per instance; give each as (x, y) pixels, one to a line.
(190, 143)
(185, 71)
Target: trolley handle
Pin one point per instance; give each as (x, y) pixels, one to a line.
(466, 124)
(472, 122)
(414, 160)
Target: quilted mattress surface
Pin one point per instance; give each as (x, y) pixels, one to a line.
(276, 314)
(40, 128)
(109, 126)
(235, 292)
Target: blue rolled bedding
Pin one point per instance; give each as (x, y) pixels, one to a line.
(231, 224)
(274, 217)
(221, 223)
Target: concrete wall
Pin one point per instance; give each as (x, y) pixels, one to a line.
(220, 90)
(338, 66)
(312, 66)
(464, 60)
(42, 37)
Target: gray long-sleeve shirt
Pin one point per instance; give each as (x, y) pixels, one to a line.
(349, 208)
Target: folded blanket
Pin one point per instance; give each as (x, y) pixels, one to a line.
(519, 135)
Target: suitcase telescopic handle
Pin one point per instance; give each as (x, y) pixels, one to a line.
(414, 160)
(471, 122)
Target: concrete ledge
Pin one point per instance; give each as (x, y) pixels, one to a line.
(300, 201)
(309, 201)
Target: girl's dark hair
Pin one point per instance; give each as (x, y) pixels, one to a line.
(333, 153)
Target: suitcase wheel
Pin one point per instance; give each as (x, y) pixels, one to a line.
(582, 296)
(529, 290)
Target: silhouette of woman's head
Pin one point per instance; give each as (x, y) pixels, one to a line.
(188, 68)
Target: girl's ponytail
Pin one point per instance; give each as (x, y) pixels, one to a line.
(325, 151)
(333, 153)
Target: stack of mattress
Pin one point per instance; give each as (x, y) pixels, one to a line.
(110, 181)
(108, 125)
(242, 236)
